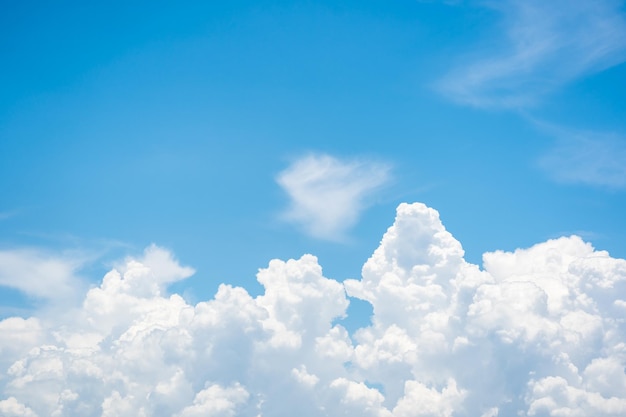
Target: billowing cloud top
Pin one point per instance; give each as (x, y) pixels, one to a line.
(538, 332)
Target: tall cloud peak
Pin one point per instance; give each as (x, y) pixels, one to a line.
(536, 332)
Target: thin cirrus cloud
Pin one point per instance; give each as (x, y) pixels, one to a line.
(327, 194)
(6, 214)
(547, 44)
(535, 332)
(585, 157)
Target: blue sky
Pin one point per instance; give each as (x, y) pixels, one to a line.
(127, 124)
(233, 133)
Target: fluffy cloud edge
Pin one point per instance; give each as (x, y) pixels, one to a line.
(538, 331)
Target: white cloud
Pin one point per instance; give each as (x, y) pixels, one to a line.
(583, 157)
(12, 408)
(41, 274)
(18, 335)
(546, 44)
(159, 265)
(540, 331)
(216, 401)
(328, 194)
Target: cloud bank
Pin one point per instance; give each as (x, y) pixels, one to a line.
(546, 44)
(327, 194)
(536, 332)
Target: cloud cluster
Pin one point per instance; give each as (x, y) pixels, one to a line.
(536, 332)
(328, 194)
(547, 44)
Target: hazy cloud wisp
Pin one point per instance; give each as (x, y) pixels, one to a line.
(548, 43)
(40, 274)
(585, 157)
(327, 194)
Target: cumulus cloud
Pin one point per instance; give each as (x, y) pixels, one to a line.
(547, 44)
(159, 264)
(327, 194)
(12, 408)
(535, 332)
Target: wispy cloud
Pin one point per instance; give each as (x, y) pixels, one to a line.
(6, 214)
(585, 157)
(546, 44)
(58, 278)
(41, 274)
(328, 194)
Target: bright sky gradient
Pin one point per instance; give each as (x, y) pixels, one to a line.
(187, 144)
